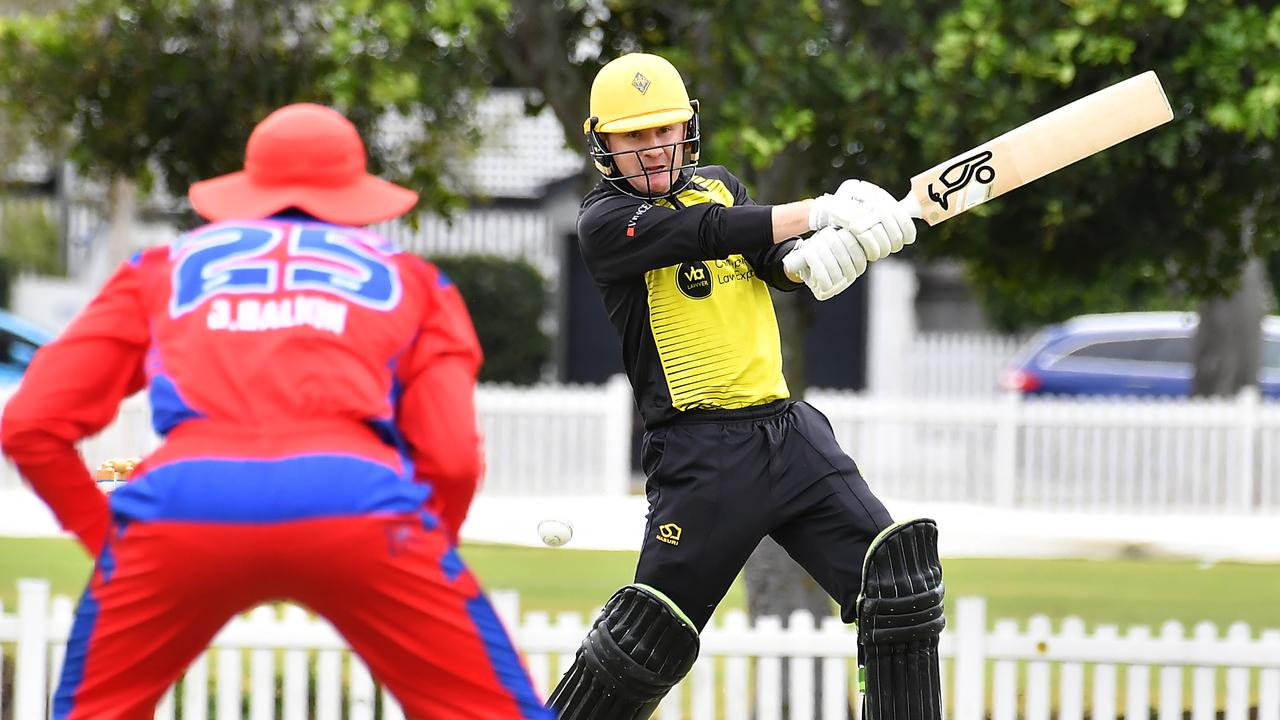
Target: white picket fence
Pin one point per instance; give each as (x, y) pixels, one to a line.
(1034, 672)
(557, 440)
(1128, 455)
(1145, 456)
(543, 440)
(956, 364)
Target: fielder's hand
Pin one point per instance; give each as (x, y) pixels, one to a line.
(828, 261)
(114, 471)
(873, 217)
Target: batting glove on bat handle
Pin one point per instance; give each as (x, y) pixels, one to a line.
(911, 206)
(820, 211)
(828, 262)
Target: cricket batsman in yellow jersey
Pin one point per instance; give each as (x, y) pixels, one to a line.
(684, 260)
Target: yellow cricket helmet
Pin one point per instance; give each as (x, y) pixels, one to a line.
(635, 92)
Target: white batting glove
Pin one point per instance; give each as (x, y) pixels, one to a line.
(877, 222)
(827, 262)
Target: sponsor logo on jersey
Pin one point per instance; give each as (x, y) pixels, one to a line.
(631, 224)
(733, 269)
(669, 533)
(694, 280)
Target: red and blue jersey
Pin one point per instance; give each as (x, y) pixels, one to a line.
(296, 369)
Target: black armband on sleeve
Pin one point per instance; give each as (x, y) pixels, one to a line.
(744, 229)
(623, 238)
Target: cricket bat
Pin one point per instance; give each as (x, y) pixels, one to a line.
(1048, 143)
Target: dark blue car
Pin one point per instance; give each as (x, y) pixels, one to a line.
(19, 341)
(1146, 353)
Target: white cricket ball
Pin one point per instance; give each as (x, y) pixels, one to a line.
(555, 532)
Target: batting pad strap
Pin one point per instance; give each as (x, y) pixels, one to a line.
(908, 604)
(901, 620)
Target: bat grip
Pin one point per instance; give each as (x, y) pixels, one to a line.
(912, 206)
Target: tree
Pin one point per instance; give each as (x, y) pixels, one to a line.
(1178, 212)
(137, 90)
(883, 90)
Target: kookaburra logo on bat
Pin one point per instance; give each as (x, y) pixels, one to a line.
(955, 178)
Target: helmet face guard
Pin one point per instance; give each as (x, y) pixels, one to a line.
(605, 163)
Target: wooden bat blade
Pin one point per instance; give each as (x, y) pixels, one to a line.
(1050, 142)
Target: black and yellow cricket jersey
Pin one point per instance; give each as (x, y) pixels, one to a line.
(684, 282)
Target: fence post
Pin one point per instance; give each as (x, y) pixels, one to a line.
(1250, 406)
(970, 658)
(506, 604)
(1006, 449)
(891, 327)
(32, 659)
(617, 436)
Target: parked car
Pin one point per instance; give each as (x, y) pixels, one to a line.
(19, 341)
(1143, 353)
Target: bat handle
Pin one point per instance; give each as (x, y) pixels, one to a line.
(912, 205)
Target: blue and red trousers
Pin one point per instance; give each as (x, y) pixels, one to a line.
(195, 543)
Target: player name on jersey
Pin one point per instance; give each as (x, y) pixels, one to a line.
(254, 315)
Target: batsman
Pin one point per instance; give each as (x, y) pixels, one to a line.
(684, 260)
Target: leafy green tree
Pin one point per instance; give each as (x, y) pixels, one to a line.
(1181, 211)
(507, 300)
(882, 90)
(139, 89)
(13, 7)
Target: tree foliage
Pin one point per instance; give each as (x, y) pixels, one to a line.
(507, 300)
(885, 89)
(133, 86)
(822, 91)
(1138, 220)
(29, 237)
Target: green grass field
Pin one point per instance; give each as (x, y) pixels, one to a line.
(1123, 592)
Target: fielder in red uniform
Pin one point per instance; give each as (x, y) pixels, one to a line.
(314, 387)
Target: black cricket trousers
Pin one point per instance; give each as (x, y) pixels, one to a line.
(721, 480)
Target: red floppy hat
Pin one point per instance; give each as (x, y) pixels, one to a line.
(303, 156)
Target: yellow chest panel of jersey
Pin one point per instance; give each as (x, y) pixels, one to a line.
(714, 327)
